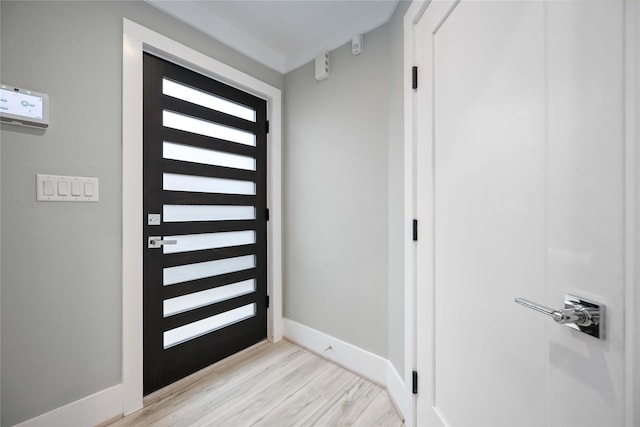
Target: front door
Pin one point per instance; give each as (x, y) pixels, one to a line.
(205, 221)
(521, 172)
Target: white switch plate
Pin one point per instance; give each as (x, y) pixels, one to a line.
(58, 188)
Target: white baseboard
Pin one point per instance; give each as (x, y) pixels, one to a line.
(88, 411)
(398, 390)
(362, 362)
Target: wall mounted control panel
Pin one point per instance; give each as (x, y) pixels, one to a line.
(58, 188)
(24, 107)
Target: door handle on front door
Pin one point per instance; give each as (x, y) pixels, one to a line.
(580, 314)
(157, 242)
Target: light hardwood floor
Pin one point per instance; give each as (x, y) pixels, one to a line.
(270, 385)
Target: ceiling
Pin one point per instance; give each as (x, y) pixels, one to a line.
(283, 35)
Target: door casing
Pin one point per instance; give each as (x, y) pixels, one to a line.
(418, 351)
(136, 40)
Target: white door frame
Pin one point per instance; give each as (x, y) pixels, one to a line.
(419, 331)
(136, 40)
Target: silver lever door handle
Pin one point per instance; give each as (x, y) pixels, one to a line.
(578, 315)
(157, 241)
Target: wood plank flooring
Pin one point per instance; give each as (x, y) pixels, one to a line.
(268, 385)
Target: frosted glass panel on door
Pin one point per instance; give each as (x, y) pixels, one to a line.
(210, 296)
(180, 213)
(200, 270)
(196, 242)
(205, 99)
(196, 329)
(206, 128)
(187, 153)
(203, 184)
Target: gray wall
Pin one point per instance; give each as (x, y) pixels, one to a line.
(61, 262)
(343, 166)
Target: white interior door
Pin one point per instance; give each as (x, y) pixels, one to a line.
(520, 119)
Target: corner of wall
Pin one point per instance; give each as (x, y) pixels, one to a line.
(376, 369)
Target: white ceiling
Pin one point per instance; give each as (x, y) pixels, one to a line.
(282, 35)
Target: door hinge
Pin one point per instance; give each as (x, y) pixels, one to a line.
(414, 77)
(266, 126)
(414, 385)
(415, 230)
(267, 301)
(266, 214)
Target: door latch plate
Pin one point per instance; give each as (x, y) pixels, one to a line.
(596, 328)
(153, 219)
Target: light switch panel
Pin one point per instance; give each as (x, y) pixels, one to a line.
(59, 188)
